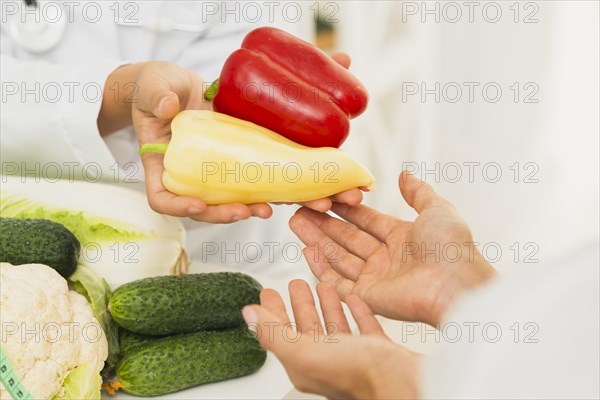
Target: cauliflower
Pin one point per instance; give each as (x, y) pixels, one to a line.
(47, 330)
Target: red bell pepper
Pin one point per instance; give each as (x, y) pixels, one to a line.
(289, 86)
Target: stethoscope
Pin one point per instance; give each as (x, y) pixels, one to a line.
(40, 36)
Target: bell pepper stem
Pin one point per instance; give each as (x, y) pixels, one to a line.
(159, 148)
(211, 92)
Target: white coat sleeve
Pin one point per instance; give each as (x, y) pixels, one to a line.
(532, 334)
(49, 119)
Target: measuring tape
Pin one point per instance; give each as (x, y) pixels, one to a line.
(10, 380)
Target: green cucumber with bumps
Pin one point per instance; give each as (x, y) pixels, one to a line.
(130, 340)
(173, 363)
(38, 241)
(167, 305)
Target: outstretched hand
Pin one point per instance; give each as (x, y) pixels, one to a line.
(331, 361)
(403, 270)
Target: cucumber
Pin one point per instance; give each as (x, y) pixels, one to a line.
(129, 340)
(38, 241)
(173, 363)
(167, 305)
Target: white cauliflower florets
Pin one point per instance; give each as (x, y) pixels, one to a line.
(46, 329)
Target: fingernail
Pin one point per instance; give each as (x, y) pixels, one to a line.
(296, 221)
(235, 218)
(161, 105)
(194, 210)
(250, 317)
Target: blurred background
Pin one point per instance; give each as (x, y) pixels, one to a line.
(495, 105)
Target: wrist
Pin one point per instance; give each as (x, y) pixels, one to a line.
(365, 379)
(477, 272)
(467, 276)
(394, 373)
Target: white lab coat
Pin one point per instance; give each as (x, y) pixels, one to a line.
(51, 102)
(529, 335)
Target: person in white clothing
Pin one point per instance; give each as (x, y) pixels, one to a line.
(83, 87)
(530, 335)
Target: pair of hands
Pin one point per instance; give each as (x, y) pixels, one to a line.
(398, 269)
(391, 267)
(159, 91)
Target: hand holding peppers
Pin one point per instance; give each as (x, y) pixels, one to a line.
(164, 90)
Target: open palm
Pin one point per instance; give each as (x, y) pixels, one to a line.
(403, 270)
(332, 361)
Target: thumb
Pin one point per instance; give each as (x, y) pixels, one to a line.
(166, 106)
(156, 96)
(418, 194)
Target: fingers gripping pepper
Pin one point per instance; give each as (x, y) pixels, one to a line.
(291, 87)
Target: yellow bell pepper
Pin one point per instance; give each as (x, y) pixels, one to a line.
(222, 159)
